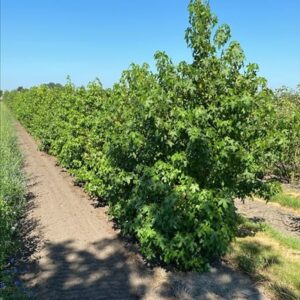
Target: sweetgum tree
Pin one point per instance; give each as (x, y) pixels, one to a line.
(169, 151)
(287, 126)
(184, 142)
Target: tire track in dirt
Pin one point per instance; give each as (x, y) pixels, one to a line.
(80, 256)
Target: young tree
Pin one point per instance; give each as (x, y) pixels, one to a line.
(171, 150)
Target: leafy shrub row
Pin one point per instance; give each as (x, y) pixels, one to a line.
(287, 125)
(168, 150)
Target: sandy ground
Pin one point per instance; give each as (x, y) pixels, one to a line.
(75, 253)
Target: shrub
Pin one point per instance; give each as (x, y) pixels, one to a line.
(169, 151)
(287, 124)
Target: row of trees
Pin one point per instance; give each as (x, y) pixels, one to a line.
(170, 150)
(287, 124)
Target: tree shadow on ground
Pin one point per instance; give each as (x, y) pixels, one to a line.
(112, 268)
(72, 273)
(295, 224)
(29, 233)
(108, 270)
(254, 257)
(220, 282)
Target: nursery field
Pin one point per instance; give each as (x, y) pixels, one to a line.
(71, 235)
(178, 183)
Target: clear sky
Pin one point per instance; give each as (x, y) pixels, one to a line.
(46, 40)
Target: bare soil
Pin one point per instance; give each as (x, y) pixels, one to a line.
(76, 253)
(277, 216)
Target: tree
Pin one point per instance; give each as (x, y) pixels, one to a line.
(287, 125)
(169, 151)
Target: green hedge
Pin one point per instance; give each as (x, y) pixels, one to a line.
(167, 150)
(287, 123)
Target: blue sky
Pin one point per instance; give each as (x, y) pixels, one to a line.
(46, 40)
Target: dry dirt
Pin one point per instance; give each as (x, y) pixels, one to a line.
(76, 254)
(280, 218)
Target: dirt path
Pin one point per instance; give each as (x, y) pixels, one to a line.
(80, 256)
(279, 217)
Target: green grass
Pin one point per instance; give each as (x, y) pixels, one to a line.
(248, 227)
(268, 256)
(12, 198)
(287, 200)
(284, 239)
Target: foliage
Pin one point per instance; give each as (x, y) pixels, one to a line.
(12, 191)
(11, 287)
(52, 85)
(170, 150)
(12, 186)
(287, 123)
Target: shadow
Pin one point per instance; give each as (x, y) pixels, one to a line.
(31, 180)
(112, 268)
(104, 271)
(254, 257)
(107, 269)
(295, 224)
(282, 292)
(250, 227)
(220, 282)
(257, 219)
(29, 231)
